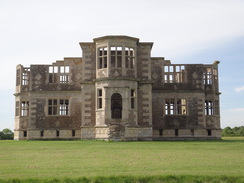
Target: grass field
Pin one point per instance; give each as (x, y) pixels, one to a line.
(71, 160)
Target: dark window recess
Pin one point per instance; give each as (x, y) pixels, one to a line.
(160, 132)
(176, 132)
(57, 133)
(42, 133)
(25, 133)
(209, 132)
(73, 133)
(192, 132)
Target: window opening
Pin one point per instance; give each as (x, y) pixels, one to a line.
(209, 132)
(169, 106)
(181, 106)
(64, 74)
(132, 102)
(99, 98)
(175, 106)
(192, 132)
(24, 108)
(116, 106)
(160, 132)
(116, 57)
(102, 57)
(207, 76)
(58, 107)
(25, 133)
(129, 57)
(25, 76)
(52, 107)
(176, 132)
(209, 107)
(57, 133)
(174, 74)
(73, 133)
(41, 133)
(53, 74)
(64, 107)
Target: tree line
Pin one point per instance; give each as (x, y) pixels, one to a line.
(6, 134)
(233, 132)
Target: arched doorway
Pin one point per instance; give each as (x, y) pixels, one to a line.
(116, 106)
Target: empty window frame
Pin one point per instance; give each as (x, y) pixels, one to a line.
(53, 74)
(63, 107)
(174, 74)
(208, 76)
(99, 98)
(52, 107)
(209, 107)
(175, 106)
(169, 106)
(129, 57)
(181, 106)
(58, 107)
(132, 99)
(25, 76)
(102, 57)
(24, 108)
(116, 57)
(64, 74)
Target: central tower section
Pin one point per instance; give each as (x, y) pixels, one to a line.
(116, 82)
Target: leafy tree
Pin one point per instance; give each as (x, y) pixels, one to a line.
(6, 134)
(233, 132)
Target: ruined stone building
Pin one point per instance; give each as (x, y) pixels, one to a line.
(117, 91)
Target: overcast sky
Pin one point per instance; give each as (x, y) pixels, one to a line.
(183, 31)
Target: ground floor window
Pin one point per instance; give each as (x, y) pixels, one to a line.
(58, 107)
(175, 106)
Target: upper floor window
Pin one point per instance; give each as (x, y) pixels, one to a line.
(64, 74)
(207, 76)
(59, 74)
(116, 56)
(174, 74)
(129, 57)
(175, 106)
(25, 76)
(102, 57)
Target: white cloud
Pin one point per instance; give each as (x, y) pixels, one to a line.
(239, 89)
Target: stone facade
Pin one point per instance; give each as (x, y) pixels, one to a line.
(117, 91)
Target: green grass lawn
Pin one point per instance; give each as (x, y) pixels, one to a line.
(74, 159)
